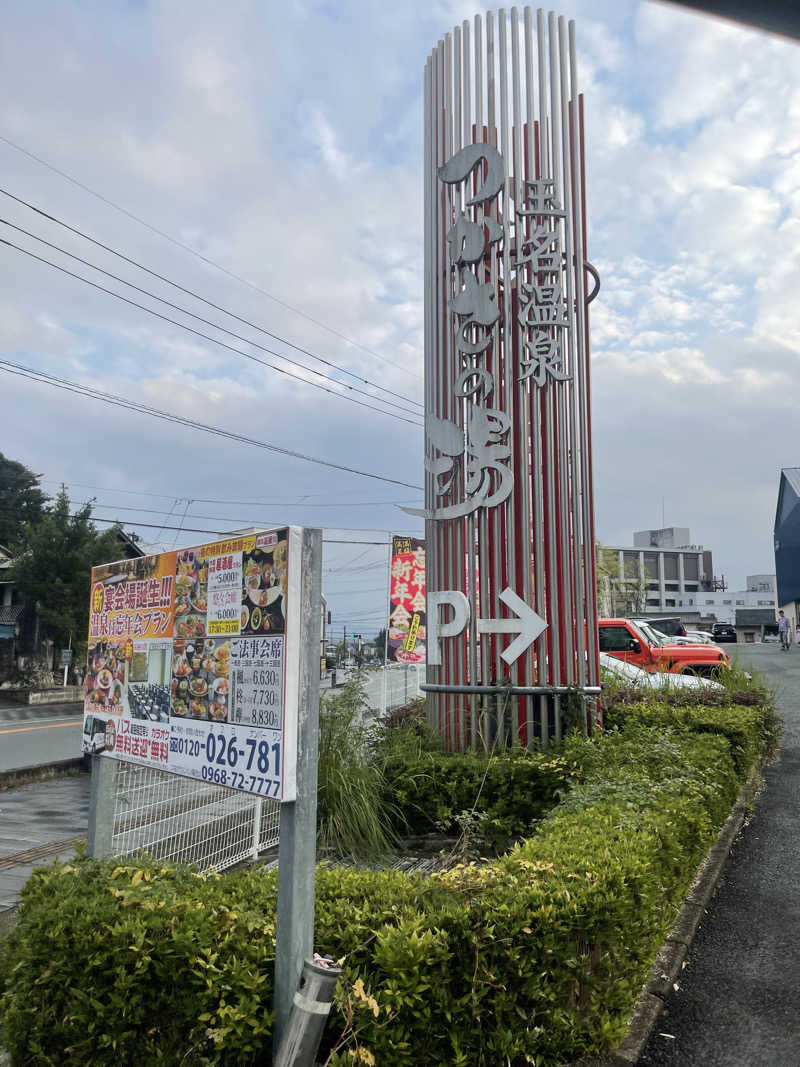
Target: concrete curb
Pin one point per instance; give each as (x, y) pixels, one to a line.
(24, 775)
(668, 963)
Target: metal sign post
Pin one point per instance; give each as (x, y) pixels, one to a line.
(508, 488)
(298, 843)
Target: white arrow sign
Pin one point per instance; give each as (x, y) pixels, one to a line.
(528, 626)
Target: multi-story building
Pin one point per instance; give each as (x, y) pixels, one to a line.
(729, 606)
(661, 569)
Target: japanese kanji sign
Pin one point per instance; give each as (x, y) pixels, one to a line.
(188, 658)
(407, 630)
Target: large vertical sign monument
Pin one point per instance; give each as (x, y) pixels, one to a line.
(511, 623)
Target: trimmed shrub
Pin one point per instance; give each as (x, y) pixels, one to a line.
(534, 957)
(511, 790)
(751, 731)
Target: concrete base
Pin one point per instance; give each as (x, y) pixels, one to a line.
(66, 694)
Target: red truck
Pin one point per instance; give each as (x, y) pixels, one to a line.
(636, 643)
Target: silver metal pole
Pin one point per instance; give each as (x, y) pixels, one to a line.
(100, 831)
(294, 939)
(257, 809)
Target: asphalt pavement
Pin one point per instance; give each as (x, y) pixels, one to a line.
(32, 736)
(38, 823)
(736, 1004)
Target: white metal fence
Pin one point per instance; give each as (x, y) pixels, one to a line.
(185, 821)
(401, 683)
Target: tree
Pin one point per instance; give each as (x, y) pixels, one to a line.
(22, 502)
(53, 569)
(619, 593)
(380, 642)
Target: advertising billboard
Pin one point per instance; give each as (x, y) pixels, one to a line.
(407, 631)
(193, 662)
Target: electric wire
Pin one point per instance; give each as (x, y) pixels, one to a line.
(109, 398)
(200, 256)
(205, 336)
(215, 533)
(211, 323)
(189, 292)
(249, 521)
(277, 502)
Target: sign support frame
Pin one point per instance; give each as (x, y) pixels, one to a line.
(297, 850)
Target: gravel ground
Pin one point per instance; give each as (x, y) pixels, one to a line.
(737, 1001)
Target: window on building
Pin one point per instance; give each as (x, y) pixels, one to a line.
(691, 567)
(669, 602)
(651, 564)
(711, 602)
(739, 603)
(654, 603)
(725, 601)
(691, 602)
(671, 566)
(631, 565)
(671, 587)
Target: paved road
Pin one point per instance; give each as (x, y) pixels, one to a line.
(737, 1002)
(32, 816)
(30, 736)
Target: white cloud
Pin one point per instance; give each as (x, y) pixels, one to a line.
(291, 151)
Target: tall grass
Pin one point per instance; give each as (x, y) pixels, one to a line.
(352, 815)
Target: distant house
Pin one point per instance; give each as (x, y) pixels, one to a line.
(19, 625)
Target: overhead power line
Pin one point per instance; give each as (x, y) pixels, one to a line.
(214, 533)
(277, 502)
(208, 322)
(205, 336)
(201, 257)
(118, 401)
(249, 521)
(196, 296)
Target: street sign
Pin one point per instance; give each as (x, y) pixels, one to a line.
(65, 659)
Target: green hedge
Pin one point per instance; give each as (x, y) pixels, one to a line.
(751, 731)
(428, 790)
(534, 957)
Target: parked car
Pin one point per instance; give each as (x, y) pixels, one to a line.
(637, 643)
(671, 626)
(721, 632)
(689, 637)
(630, 675)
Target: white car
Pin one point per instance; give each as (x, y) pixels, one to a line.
(630, 675)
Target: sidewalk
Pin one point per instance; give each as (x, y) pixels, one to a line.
(38, 823)
(11, 712)
(736, 1005)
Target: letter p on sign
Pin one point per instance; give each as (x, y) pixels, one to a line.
(438, 629)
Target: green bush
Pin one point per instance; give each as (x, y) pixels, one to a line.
(138, 962)
(512, 790)
(751, 731)
(534, 957)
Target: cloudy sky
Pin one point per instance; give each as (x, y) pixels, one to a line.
(284, 144)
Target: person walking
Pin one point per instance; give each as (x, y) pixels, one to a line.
(783, 631)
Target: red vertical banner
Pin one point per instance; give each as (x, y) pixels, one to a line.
(407, 626)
